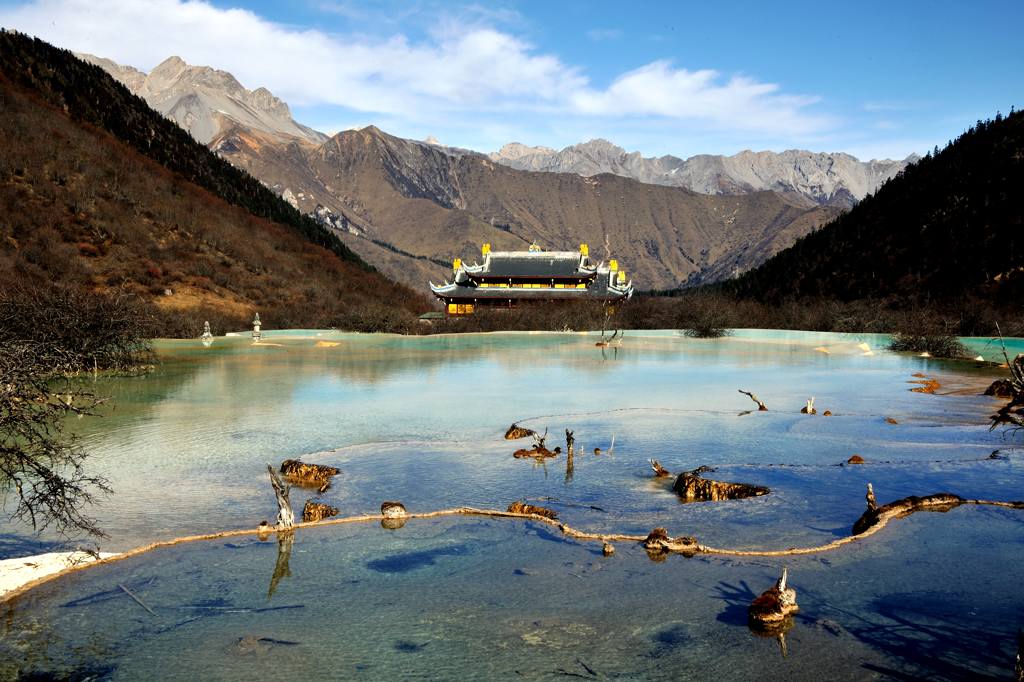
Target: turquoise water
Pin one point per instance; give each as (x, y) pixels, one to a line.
(421, 420)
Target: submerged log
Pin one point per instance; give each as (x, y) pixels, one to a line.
(774, 606)
(520, 507)
(515, 432)
(300, 473)
(285, 515)
(317, 511)
(536, 452)
(659, 471)
(690, 486)
(939, 502)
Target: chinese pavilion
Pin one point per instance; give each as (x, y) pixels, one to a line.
(508, 278)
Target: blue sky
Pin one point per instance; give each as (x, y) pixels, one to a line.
(875, 79)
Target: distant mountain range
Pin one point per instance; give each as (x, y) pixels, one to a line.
(826, 179)
(204, 101)
(410, 207)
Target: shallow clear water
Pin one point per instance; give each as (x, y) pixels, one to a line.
(421, 420)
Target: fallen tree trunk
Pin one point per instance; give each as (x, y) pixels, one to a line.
(515, 432)
(520, 507)
(691, 487)
(939, 502)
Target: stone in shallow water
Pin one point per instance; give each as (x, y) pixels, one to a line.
(393, 510)
(316, 511)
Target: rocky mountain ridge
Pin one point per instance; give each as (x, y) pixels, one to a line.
(824, 178)
(410, 207)
(204, 101)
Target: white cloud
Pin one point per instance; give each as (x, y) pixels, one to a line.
(658, 89)
(463, 69)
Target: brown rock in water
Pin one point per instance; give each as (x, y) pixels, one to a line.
(301, 473)
(520, 507)
(855, 459)
(263, 530)
(826, 413)
(659, 471)
(538, 452)
(890, 420)
(607, 549)
(690, 486)
(1000, 388)
(939, 502)
(515, 432)
(317, 511)
(659, 545)
(393, 510)
(927, 385)
(774, 606)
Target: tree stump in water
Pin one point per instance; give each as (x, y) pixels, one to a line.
(316, 511)
(774, 606)
(285, 515)
(691, 487)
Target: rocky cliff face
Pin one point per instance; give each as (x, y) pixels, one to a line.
(825, 179)
(205, 101)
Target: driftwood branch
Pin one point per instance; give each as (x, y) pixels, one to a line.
(760, 405)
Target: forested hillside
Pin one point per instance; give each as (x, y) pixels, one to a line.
(948, 227)
(84, 209)
(89, 95)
